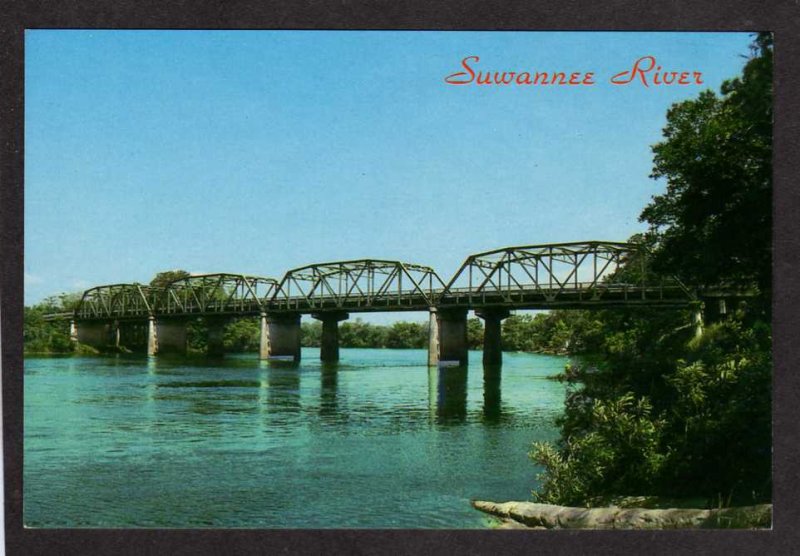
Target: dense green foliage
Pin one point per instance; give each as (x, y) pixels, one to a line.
(659, 412)
(651, 408)
(40, 336)
(161, 279)
(242, 335)
(714, 221)
(553, 332)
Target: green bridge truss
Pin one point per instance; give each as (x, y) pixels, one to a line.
(568, 275)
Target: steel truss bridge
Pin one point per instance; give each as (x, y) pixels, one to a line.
(560, 275)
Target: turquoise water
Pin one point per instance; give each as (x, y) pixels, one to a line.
(378, 441)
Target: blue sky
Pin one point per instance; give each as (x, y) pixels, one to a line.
(256, 152)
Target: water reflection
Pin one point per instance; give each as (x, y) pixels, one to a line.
(433, 386)
(447, 390)
(151, 390)
(284, 388)
(492, 375)
(260, 429)
(329, 385)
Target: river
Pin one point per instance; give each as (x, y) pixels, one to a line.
(379, 441)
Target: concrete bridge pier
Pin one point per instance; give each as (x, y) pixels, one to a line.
(263, 344)
(166, 336)
(94, 334)
(152, 340)
(216, 333)
(697, 321)
(115, 334)
(433, 339)
(448, 337)
(492, 334)
(282, 336)
(329, 346)
(73, 331)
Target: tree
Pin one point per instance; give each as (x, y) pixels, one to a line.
(41, 336)
(713, 223)
(311, 334)
(657, 411)
(242, 335)
(516, 334)
(161, 279)
(360, 334)
(474, 333)
(406, 335)
(663, 415)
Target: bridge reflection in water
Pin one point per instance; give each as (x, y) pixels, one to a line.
(591, 274)
(447, 394)
(282, 389)
(447, 388)
(328, 392)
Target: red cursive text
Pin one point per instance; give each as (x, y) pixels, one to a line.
(470, 76)
(648, 72)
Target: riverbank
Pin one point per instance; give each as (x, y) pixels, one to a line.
(530, 515)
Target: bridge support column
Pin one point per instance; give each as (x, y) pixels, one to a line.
(94, 334)
(216, 333)
(73, 331)
(263, 343)
(450, 331)
(115, 334)
(433, 339)
(697, 321)
(329, 346)
(152, 339)
(492, 334)
(283, 331)
(170, 337)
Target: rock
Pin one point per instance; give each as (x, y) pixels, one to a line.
(549, 516)
(511, 524)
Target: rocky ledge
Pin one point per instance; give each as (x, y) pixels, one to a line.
(516, 515)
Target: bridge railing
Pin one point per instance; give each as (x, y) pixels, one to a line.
(405, 298)
(62, 315)
(584, 291)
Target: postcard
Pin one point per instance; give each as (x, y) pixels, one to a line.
(329, 279)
